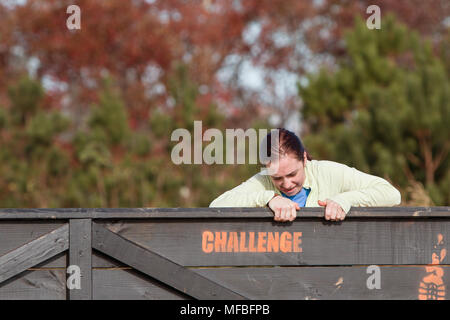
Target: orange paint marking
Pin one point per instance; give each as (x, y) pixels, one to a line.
(432, 286)
(273, 242)
(229, 241)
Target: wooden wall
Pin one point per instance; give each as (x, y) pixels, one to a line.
(224, 254)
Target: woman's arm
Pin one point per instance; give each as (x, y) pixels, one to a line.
(254, 192)
(359, 189)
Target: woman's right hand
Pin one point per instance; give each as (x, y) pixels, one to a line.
(283, 208)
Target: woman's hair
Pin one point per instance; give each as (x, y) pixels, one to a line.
(289, 143)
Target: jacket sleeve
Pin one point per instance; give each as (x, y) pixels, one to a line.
(359, 189)
(251, 193)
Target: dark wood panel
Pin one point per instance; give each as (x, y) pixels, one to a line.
(16, 234)
(318, 283)
(157, 267)
(352, 242)
(313, 258)
(296, 283)
(100, 260)
(34, 252)
(143, 213)
(80, 255)
(35, 285)
(130, 285)
(59, 261)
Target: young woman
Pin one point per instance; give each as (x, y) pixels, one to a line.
(298, 181)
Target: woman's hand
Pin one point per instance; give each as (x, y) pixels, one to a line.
(333, 210)
(284, 209)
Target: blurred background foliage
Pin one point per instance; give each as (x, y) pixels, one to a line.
(86, 115)
(386, 109)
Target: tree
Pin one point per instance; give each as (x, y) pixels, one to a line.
(139, 43)
(115, 149)
(385, 109)
(31, 164)
(106, 163)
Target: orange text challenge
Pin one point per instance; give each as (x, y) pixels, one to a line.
(229, 241)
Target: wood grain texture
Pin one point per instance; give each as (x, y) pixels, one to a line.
(219, 213)
(35, 285)
(290, 283)
(130, 285)
(80, 254)
(352, 242)
(162, 250)
(14, 234)
(34, 252)
(324, 283)
(158, 267)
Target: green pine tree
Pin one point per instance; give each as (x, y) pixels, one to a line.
(385, 110)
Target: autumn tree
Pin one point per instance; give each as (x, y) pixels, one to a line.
(168, 63)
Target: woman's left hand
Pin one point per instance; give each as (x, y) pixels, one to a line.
(333, 211)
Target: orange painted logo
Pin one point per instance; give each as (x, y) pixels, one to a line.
(432, 286)
(229, 241)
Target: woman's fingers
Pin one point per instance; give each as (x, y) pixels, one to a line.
(278, 214)
(283, 208)
(293, 213)
(285, 213)
(333, 211)
(328, 211)
(286, 210)
(340, 215)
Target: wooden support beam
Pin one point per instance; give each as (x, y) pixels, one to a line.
(157, 266)
(34, 252)
(80, 254)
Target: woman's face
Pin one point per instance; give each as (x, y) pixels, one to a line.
(289, 174)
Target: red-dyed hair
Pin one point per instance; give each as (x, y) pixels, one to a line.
(289, 143)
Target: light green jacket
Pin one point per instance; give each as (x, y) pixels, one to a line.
(326, 179)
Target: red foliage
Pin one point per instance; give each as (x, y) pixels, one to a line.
(123, 38)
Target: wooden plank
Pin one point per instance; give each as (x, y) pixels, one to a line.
(100, 260)
(352, 242)
(58, 261)
(14, 234)
(34, 252)
(336, 283)
(116, 284)
(157, 267)
(284, 283)
(80, 254)
(35, 285)
(219, 213)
